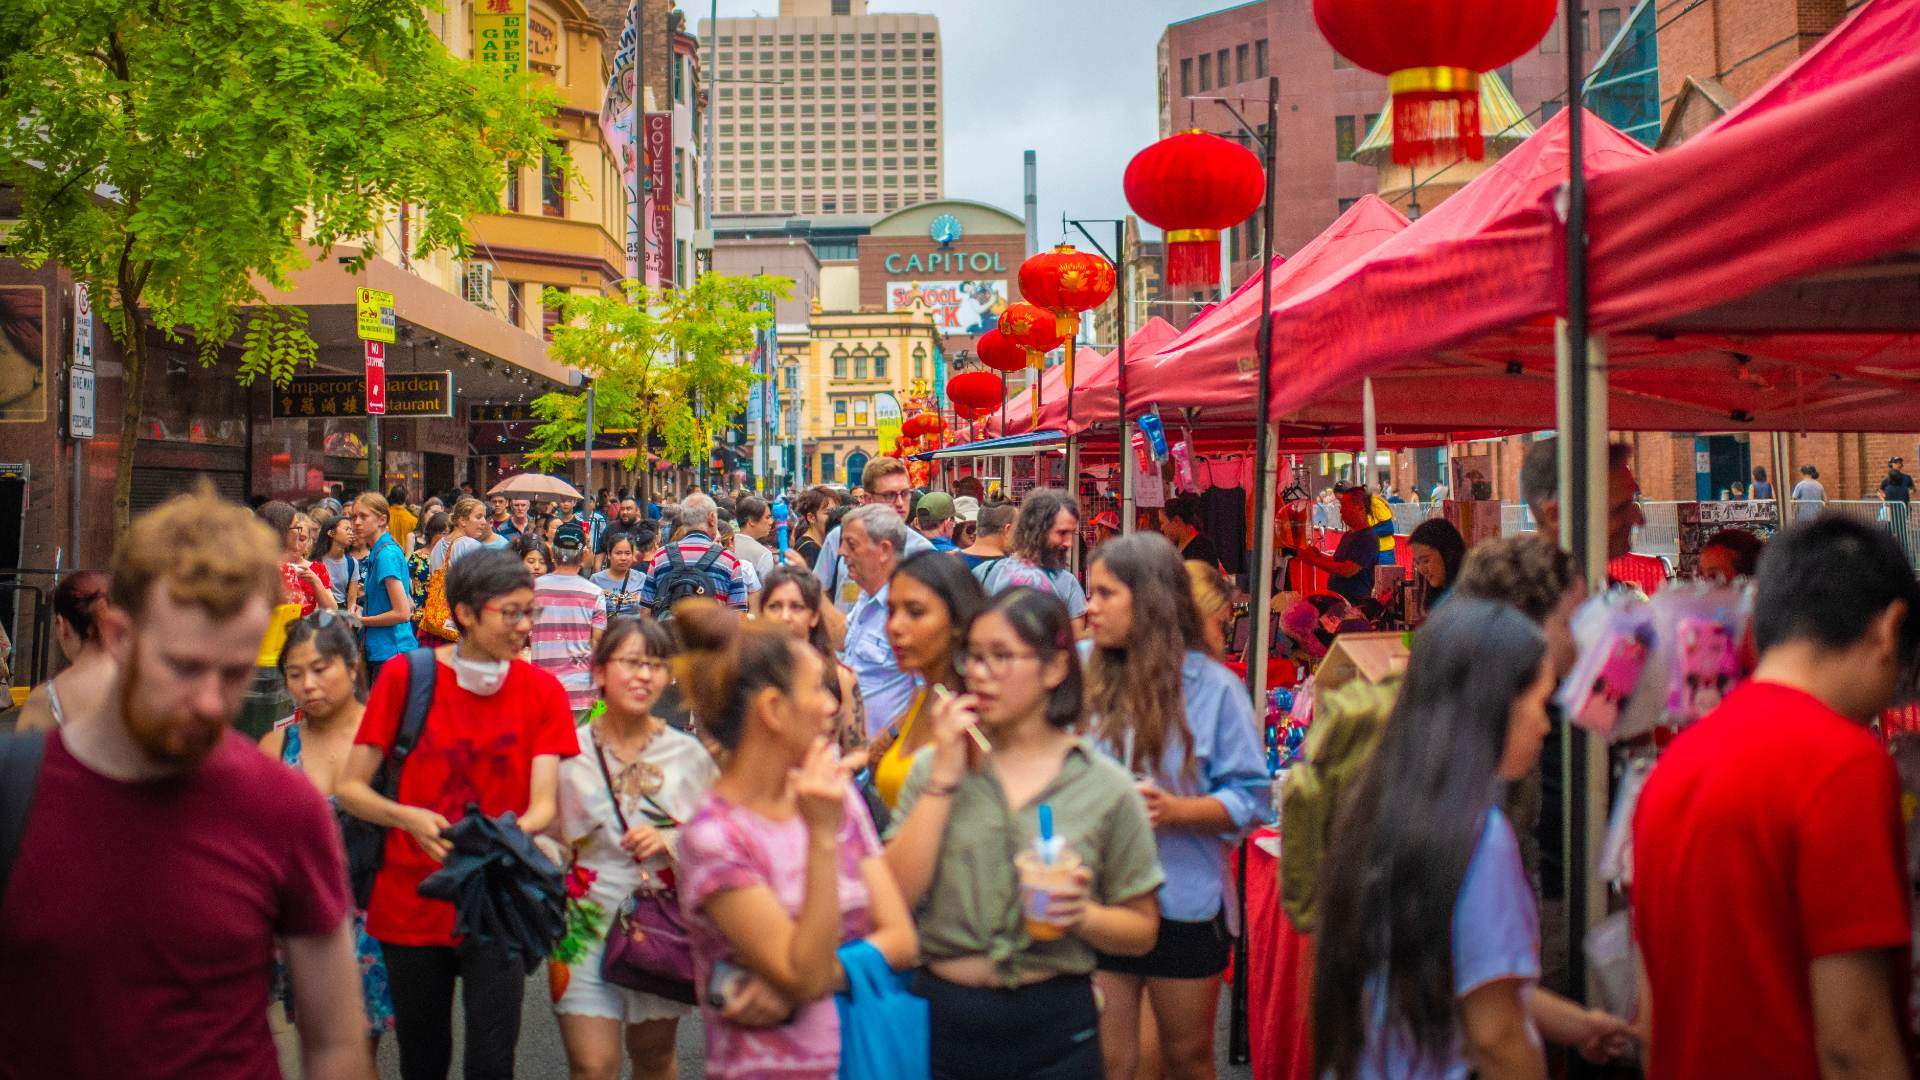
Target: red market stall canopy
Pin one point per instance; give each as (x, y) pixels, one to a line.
(1096, 397)
(1211, 365)
(1019, 410)
(1702, 264)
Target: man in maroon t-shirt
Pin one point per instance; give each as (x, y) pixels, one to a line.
(164, 854)
(1770, 897)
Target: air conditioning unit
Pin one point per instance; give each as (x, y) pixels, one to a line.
(480, 284)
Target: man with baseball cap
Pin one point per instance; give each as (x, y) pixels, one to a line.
(568, 617)
(933, 519)
(1898, 486)
(966, 521)
(1106, 526)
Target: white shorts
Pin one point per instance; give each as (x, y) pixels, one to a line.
(587, 994)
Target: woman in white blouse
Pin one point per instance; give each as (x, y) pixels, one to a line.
(659, 775)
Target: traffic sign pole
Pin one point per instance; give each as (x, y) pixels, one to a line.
(376, 407)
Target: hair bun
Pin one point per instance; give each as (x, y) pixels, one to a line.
(703, 625)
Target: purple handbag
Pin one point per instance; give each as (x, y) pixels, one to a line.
(647, 945)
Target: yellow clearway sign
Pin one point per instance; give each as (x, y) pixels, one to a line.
(374, 315)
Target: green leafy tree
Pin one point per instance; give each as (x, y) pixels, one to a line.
(664, 362)
(180, 158)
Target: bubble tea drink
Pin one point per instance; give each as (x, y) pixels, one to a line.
(1045, 869)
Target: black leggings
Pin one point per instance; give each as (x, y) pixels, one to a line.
(1047, 1031)
(422, 977)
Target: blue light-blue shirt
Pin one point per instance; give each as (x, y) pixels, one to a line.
(384, 562)
(1227, 765)
(1496, 936)
(887, 690)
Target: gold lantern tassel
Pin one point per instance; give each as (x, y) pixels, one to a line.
(1039, 363)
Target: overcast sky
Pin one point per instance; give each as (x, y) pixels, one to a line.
(1038, 75)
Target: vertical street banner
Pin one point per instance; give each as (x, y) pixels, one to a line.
(616, 124)
(376, 378)
(500, 34)
(657, 158)
(886, 420)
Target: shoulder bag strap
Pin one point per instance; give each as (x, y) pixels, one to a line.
(421, 677)
(712, 556)
(20, 757)
(614, 796)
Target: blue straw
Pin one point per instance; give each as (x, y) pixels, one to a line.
(1046, 832)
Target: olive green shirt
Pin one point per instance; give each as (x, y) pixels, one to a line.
(973, 906)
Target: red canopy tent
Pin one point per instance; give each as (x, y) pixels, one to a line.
(1019, 410)
(1210, 365)
(1096, 398)
(1699, 271)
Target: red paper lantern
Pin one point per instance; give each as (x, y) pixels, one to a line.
(1066, 281)
(971, 412)
(1432, 53)
(1192, 185)
(976, 391)
(1031, 327)
(923, 424)
(998, 352)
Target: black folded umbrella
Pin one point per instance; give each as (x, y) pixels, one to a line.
(507, 897)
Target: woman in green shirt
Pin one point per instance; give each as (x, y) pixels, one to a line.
(1002, 1003)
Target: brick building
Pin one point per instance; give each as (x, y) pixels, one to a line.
(1326, 104)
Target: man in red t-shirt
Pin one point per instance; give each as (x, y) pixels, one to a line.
(494, 737)
(164, 854)
(1770, 897)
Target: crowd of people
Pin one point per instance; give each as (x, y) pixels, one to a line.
(807, 740)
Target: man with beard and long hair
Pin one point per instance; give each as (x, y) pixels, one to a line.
(163, 854)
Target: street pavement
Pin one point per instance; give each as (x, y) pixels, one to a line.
(542, 1057)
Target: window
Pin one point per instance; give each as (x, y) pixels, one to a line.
(839, 363)
(553, 188)
(861, 406)
(839, 414)
(1341, 63)
(1366, 126)
(1609, 26)
(859, 365)
(919, 361)
(513, 189)
(1548, 109)
(1343, 140)
(880, 363)
(1347, 204)
(1220, 65)
(1260, 59)
(1551, 43)
(827, 475)
(1186, 77)
(1242, 68)
(1206, 72)
(516, 309)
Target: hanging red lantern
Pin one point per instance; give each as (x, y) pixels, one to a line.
(1432, 53)
(998, 352)
(920, 425)
(978, 391)
(1192, 185)
(1031, 327)
(1066, 281)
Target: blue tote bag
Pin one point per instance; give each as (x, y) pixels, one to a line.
(883, 1025)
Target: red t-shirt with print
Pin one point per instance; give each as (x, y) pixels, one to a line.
(1769, 835)
(473, 749)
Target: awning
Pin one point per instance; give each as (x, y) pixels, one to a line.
(1028, 443)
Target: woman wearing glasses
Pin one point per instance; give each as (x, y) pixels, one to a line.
(1009, 988)
(494, 737)
(622, 800)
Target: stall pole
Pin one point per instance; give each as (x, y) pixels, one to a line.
(1073, 490)
(1125, 430)
(1370, 435)
(1263, 428)
(1581, 380)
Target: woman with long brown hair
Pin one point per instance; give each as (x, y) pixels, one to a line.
(792, 598)
(1180, 721)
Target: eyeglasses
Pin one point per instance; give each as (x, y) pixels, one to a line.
(996, 663)
(904, 495)
(639, 665)
(513, 615)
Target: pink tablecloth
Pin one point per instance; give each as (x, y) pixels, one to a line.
(1279, 976)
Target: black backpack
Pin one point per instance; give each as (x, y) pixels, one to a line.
(682, 580)
(365, 842)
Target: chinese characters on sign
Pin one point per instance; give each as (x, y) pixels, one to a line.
(315, 397)
(500, 34)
